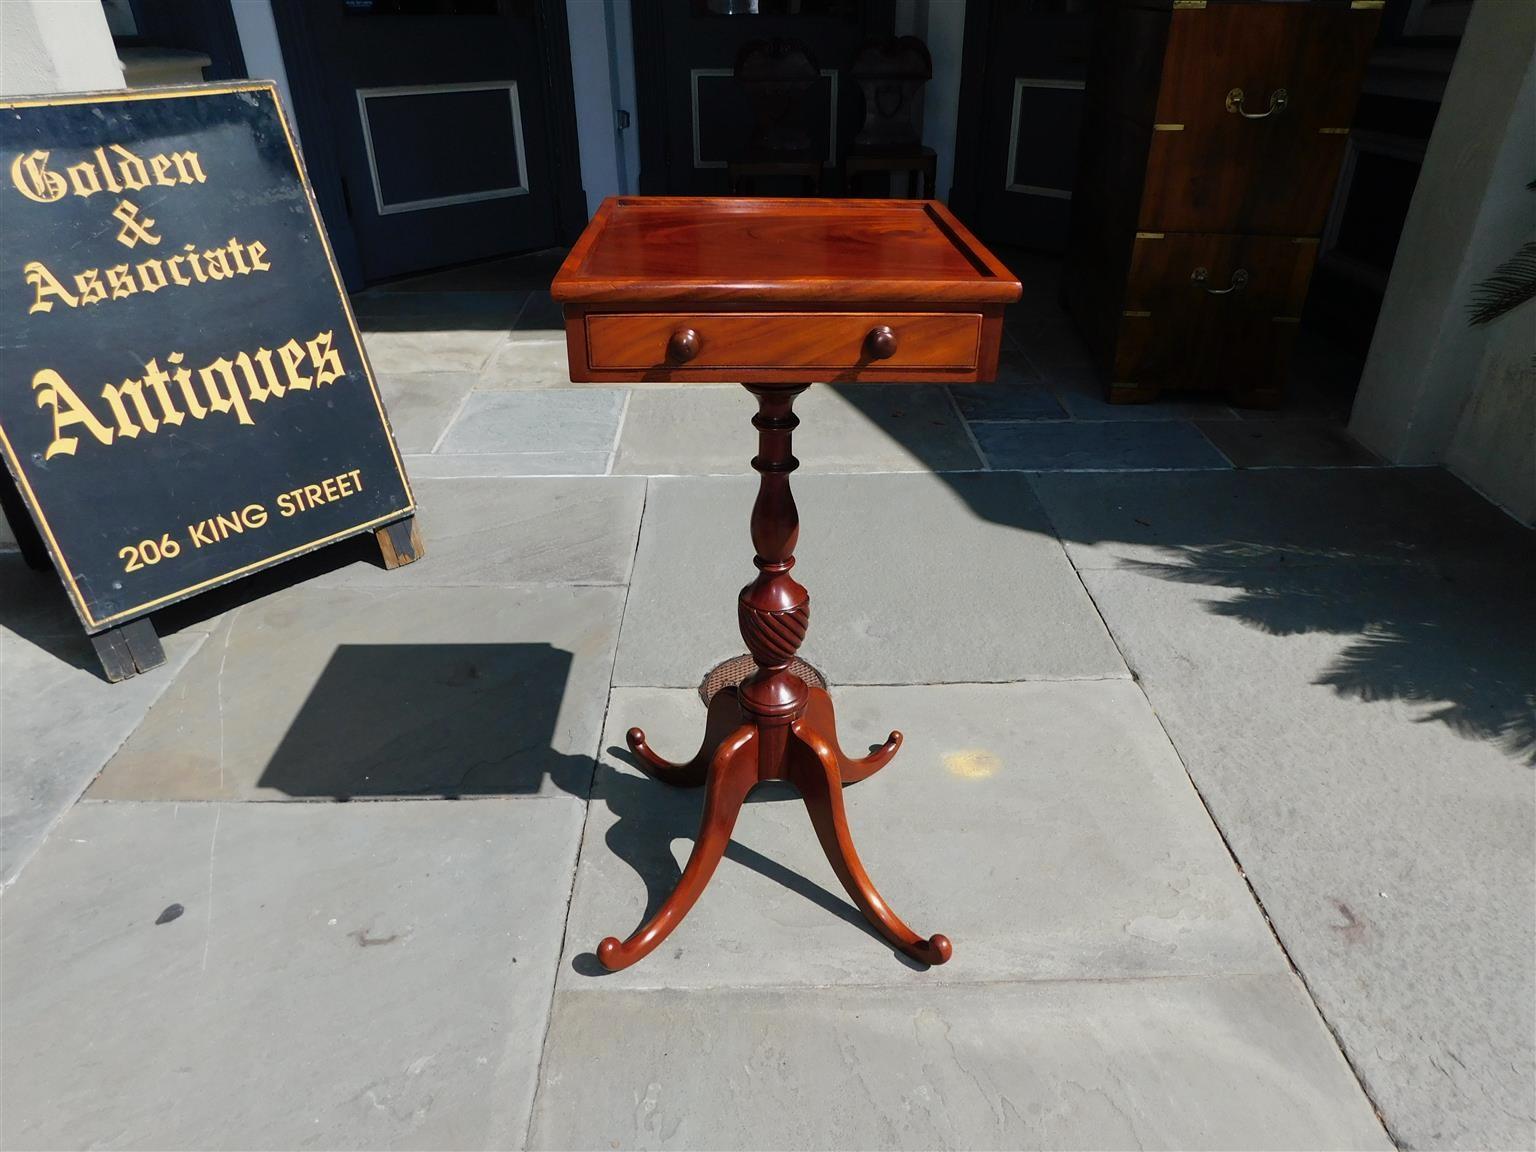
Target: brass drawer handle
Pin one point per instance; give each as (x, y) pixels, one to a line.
(1278, 99)
(683, 345)
(1201, 277)
(881, 342)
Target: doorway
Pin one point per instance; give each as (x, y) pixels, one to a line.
(691, 109)
(436, 132)
(1021, 111)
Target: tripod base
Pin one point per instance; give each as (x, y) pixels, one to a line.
(740, 751)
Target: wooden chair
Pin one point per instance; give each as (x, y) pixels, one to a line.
(891, 74)
(778, 77)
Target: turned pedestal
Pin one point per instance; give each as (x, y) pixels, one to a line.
(774, 726)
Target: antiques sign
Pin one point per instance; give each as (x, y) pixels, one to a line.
(183, 393)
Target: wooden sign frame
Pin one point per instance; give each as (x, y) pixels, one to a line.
(123, 636)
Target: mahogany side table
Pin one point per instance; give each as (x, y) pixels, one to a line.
(776, 294)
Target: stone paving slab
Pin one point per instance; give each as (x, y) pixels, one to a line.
(530, 423)
(1363, 736)
(1287, 444)
(60, 720)
(371, 975)
(532, 531)
(526, 363)
(1080, 388)
(1091, 446)
(381, 305)
(339, 693)
(540, 319)
(1241, 1062)
(914, 579)
(412, 344)
(1047, 829)
(508, 466)
(1017, 393)
(707, 430)
(1225, 520)
(422, 404)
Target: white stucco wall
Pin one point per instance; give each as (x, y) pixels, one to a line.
(261, 49)
(603, 69)
(1435, 388)
(54, 46)
(940, 24)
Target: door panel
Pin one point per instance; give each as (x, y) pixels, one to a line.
(692, 109)
(1031, 106)
(441, 127)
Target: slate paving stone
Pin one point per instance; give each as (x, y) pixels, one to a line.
(421, 405)
(60, 720)
(1047, 829)
(340, 976)
(507, 465)
(1362, 734)
(707, 430)
(1222, 520)
(530, 270)
(528, 364)
(411, 344)
(1238, 1062)
(1080, 388)
(541, 318)
(1286, 444)
(1017, 393)
(342, 693)
(559, 421)
(530, 531)
(480, 309)
(914, 578)
(1096, 446)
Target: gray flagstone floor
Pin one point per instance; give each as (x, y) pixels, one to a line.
(1220, 773)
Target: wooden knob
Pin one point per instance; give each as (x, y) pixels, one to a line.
(881, 342)
(683, 345)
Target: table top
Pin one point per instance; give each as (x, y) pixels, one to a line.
(674, 249)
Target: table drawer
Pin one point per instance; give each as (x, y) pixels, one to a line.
(783, 340)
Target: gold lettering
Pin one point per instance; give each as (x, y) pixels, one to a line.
(131, 169)
(188, 169)
(77, 179)
(106, 170)
(285, 507)
(257, 251)
(221, 374)
(259, 390)
(254, 515)
(177, 275)
(238, 253)
(30, 175)
(183, 380)
(89, 285)
(292, 355)
(134, 391)
(197, 534)
(218, 264)
(121, 281)
(196, 261)
(45, 285)
(161, 167)
(156, 379)
(326, 361)
(52, 391)
(114, 398)
(145, 281)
